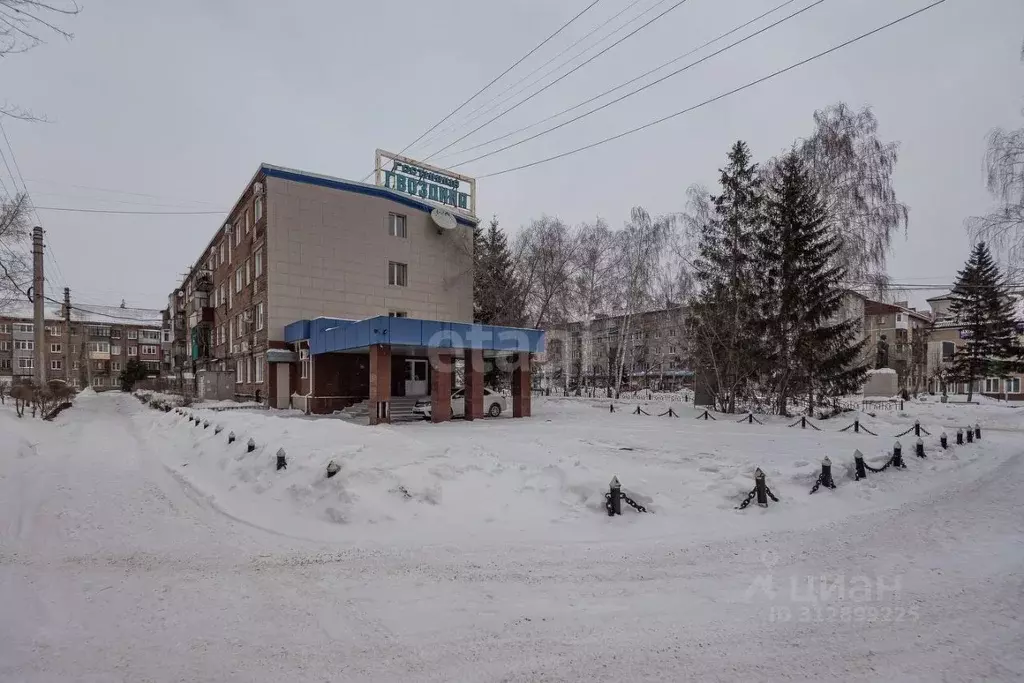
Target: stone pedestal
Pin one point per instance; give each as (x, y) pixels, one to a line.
(881, 383)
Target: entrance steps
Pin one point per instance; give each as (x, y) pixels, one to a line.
(401, 410)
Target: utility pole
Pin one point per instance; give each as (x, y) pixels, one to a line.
(68, 377)
(39, 302)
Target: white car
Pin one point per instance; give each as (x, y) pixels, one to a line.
(494, 404)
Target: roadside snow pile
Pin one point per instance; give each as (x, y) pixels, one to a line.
(546, 477)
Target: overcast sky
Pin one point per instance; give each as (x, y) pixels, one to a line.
(174, 105)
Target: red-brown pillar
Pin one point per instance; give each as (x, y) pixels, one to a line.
(474, 384)
(521, 386)
(441, 386)
(380, 384)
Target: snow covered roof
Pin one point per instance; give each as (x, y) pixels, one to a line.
(88, 313)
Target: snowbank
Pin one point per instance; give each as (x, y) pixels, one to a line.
(545, 477)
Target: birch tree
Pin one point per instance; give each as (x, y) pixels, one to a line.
(15, 234)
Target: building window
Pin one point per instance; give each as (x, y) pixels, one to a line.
(23, 327)
(238, 280)
(25, 364)
(1013, 385)
(5, 328)
(248, 221)
(991, 385)
(248, 370)
(115, 333)
(115, 365)
(223, 248)
(99, 347)
(115, 349)
(259, 369)
(248, 271)
(56, 365)
(396, 225)
(24, 345)
(398, 274)
(55, 330)
(74, 366)
(97, 381)
(5, 363)
(55, 348)
(257, 206)
(5, 346)
(239, 371)
(948, 348)
(899, 317)
(133, 350)
(238, 233)
(260, 316)
(133, 334)
(304, 363)
(397, 314)
(258, 260)
(148, 350)
(151, 335)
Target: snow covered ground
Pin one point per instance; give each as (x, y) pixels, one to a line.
(137, 546)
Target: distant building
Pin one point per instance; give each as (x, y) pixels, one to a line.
(586, 354)
(93, 350)
(906, 331)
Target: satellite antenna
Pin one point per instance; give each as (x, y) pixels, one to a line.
(444, 220)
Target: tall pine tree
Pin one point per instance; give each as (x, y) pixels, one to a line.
(726, 343)
(809, 347)
(497, 296)
(985, 313)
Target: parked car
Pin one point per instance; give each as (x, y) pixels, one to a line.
(494, 404)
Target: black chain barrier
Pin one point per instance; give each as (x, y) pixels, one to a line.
(750, 419)
(706, 416)
(641, 411)
(746, 501)
(883, 468)
(669, 412)
(805, 423)
(632, 503)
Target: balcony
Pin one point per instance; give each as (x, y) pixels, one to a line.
(204, 281)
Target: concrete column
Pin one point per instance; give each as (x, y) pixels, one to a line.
(474, 384)
(441, 366)
(380, 384)
(521, 386)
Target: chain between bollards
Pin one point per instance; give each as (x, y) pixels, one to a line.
(825, 478)
(706, 416)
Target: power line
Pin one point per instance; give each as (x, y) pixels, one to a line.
(643, 87)
(622, 85)
(495, 79)
(113, 191)
(560, 78)
(717, 97)
(499, 99)
(132, 213)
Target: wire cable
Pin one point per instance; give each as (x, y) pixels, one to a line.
(622, 85)
(643, 87)
(495, 79)
(557, 80)
(717, 97)
(499, 99)
(132, 213)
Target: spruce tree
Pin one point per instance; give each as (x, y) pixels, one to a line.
(984, 310)
(725, 344)
(497, 297)
(809, 347)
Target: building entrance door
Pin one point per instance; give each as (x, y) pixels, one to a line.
(415, 377)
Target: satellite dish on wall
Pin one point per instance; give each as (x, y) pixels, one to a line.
(444, 220)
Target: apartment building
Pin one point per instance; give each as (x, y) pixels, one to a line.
(87, 344)
(946, 337)
(906, 332)
(586, 354)
(299, 247)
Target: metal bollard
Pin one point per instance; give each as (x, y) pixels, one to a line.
(856, 425)
(970, 434)
(611, 407)
(231, 437)
(959, 437)
(919, 448)
(206, 424)
(760, 487)
(251, 446)
(897, 455)
(332, 469)
(858, 463)
(977, 431)
(826, 473)
(218, 429)
(614, 497)
(917, 428)
(282, 462)
(944, 441)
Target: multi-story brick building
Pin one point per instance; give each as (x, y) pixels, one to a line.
(299, 246)
(87, 344)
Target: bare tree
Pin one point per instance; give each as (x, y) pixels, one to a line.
(546, 261)
(1003, 227)
(641, 244)
(853, 168)
(15, 231)
(23, 25)
(597, 264)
